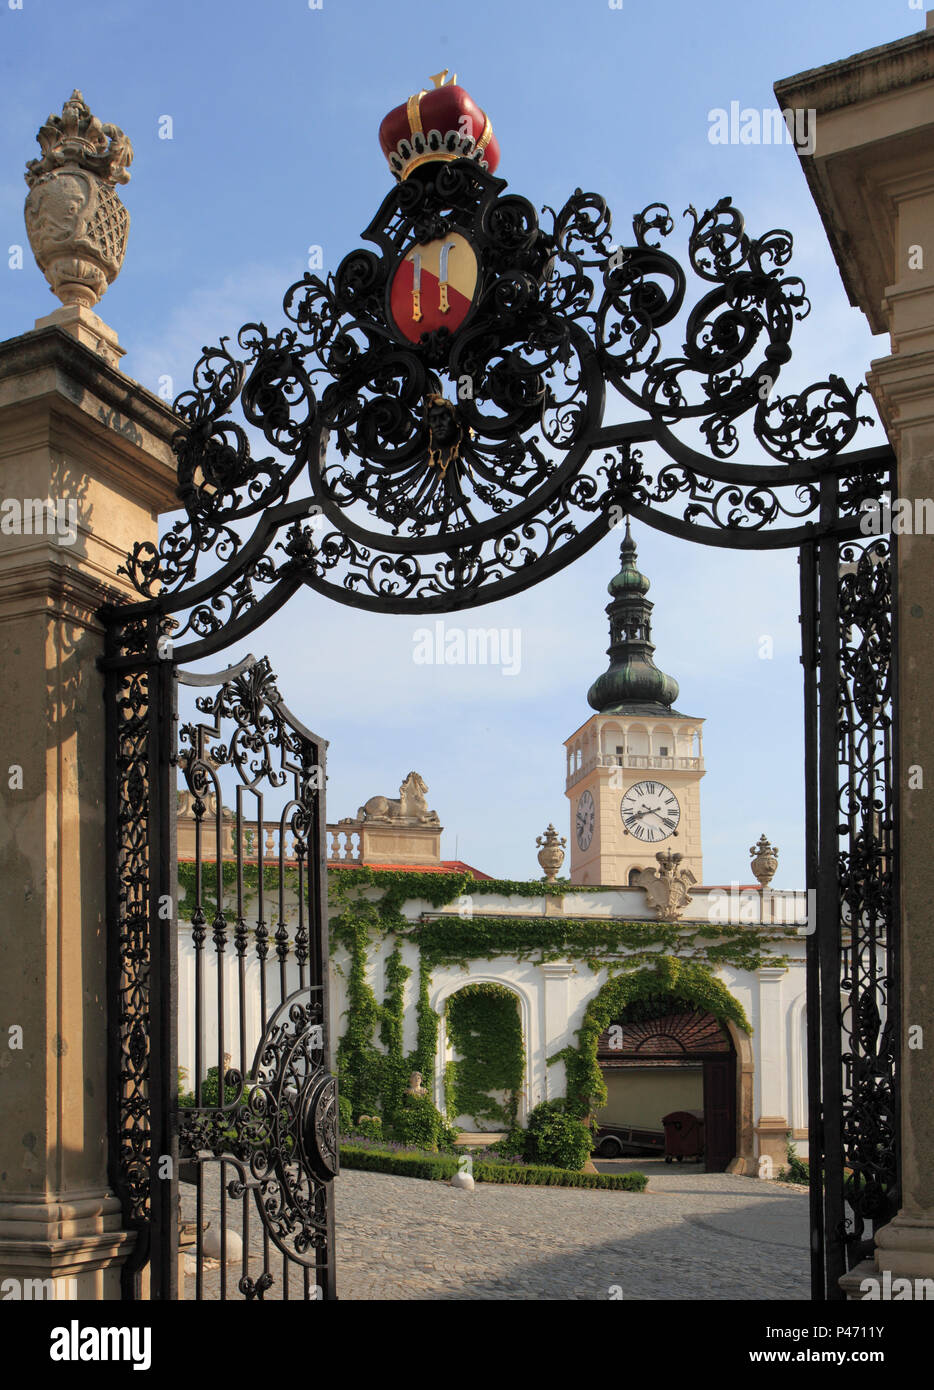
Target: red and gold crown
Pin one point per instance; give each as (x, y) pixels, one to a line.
(444, 123)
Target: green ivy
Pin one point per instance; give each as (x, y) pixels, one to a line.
(596, 941)
(360, 1064)
(396, 1070)
(485, 1029)
(427, 1024)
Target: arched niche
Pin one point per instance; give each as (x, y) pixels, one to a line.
(442, 1055)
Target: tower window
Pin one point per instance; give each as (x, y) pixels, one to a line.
(663, 752)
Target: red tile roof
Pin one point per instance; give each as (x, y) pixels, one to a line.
(447, 866)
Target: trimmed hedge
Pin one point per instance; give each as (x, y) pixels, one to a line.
(438, 1167)
(432, 1166)
(537, 1176)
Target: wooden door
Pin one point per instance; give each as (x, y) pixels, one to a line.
(719, 1112)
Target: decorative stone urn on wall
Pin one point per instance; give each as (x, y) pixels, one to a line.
(76, 223)
(551, 855)
(765, 861)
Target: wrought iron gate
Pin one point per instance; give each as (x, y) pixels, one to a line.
(463, 465)
(847, 607)
(251, 1148)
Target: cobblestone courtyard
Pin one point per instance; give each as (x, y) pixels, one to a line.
(691, 1235)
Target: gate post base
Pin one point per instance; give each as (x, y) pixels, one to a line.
(851, 1283)
(72, 1249)
(904, 1251)
(905, 1247)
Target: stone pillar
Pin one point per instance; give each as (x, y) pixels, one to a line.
(772, 1126)
(75, 431)
(77, 434)
(555, 1015)
(872, 177)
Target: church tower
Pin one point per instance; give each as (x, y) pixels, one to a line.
(634, 768)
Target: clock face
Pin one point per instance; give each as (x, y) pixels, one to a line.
(650, 811)
(585, 818)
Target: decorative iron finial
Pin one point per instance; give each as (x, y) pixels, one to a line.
(76, 223)
(551, 855)
(438, 79)
(765, 860)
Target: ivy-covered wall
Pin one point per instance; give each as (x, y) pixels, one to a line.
(485, 1032)
(639, 958)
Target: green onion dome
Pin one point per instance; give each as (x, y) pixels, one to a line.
(632, 679)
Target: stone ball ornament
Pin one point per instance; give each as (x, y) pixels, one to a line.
(76, 223)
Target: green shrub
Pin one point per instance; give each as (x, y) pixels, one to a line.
(420, 1123)
(555, 1138)
(370, 1126)
(538, 1175)
(345, 1114)
(435, 1166)
(513, 1146)
(798, 1170)
(209, 1091)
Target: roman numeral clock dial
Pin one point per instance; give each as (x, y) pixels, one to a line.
(584, 820)
(650, 811)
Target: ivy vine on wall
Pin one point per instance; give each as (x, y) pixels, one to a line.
(485, 1031)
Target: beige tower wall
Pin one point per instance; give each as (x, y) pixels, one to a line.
(607, 775)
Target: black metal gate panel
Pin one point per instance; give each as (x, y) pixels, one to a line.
(228, 1183)
(848, 625)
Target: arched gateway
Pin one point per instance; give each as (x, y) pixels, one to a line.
(666, 1058)
(434, 427)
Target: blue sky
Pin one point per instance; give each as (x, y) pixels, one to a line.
(275, 108)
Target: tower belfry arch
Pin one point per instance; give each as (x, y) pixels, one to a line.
(463, 407)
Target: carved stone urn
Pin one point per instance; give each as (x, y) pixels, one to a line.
(765, 861)
(76, 223)
(551, 855)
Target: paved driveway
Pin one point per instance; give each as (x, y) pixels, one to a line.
(691, 1235)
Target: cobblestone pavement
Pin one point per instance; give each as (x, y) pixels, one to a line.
(691, 1235)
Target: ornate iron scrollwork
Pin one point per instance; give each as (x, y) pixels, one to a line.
(867, 886)
(464, 464)
(281, 1130)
